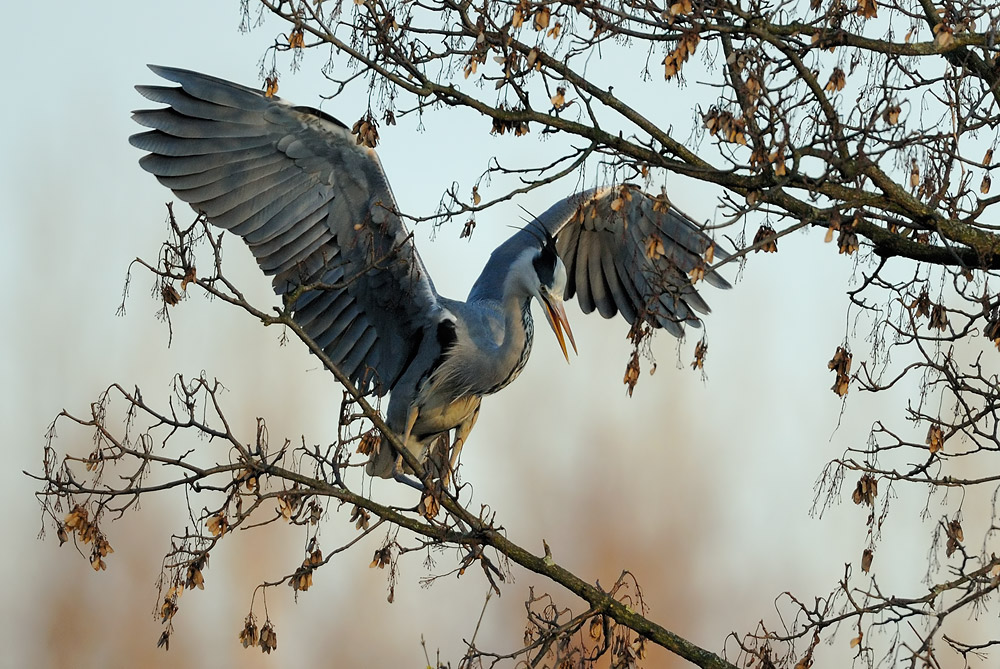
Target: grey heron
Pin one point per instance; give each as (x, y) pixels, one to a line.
(316, 210)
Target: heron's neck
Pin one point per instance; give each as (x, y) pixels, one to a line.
(518, 334)
(518, 325)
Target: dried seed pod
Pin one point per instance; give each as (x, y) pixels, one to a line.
(765, 240)
(841, 365)
(866, 560)
(866, 491)
(935, 438)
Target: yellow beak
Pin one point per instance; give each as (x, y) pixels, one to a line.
(556, 316)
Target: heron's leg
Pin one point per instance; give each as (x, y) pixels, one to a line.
(461, 434)
(411, 420)
(397, 466)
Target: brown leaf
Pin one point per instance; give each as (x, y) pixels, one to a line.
(189, 277)
(102, 547)
(596, 628)
(935, 438)
(429, 506)
(939, 318)
(168, 609)
(765, 240)
(194, 577)
(632, 373)
(841, 365)
(955, 537)
(542, 18)
(365, 131)
(288, 504)
(681, 7)
(697, 272)
(891, 114)
(382, 557)
(834, 225)
(686, 47)
(866, 491)
(76, 519)
(654, 245)
(837, 81)
(944, 35)
(848, 241)
(712, 120)
(271, 86)
(468, 229)
(370, 442)
(866, 560)
(268, 638)
(302, 579)
(360, 517)
(700, 351)
(249, 635)
(170, 295)
(922, 304)
(471, 67)
(777, 160)
(532, 58)
(867, 9)
(559, 99)
(218, 525)
(984, 187)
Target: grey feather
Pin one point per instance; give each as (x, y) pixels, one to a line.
(610, 267)
(291, 182)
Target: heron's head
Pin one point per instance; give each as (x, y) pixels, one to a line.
(548, 288)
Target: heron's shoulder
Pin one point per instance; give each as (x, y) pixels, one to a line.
(473, 311)
(477, 319)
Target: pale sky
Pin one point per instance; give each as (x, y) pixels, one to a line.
(703, 487)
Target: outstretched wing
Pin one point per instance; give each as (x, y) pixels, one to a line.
(313, 206)
(626, 251)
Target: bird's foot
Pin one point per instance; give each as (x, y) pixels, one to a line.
(398, 475)
(413, 483)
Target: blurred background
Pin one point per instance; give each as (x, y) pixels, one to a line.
(702, 487)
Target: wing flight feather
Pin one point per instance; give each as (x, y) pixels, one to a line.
(625, 251)
(313, 206)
